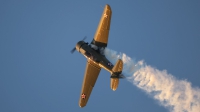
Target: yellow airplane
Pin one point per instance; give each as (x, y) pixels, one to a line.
(94, 52)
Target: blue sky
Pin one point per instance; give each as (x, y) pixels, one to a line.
(38, 72)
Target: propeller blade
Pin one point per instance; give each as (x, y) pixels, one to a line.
(84, 38)
(72, 51)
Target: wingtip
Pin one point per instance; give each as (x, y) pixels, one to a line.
(107, 6)
(81, 106)
(114, 89)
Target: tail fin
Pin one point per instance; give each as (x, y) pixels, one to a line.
(117, 69)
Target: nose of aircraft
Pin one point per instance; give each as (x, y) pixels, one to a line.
(75, 48)
(79, 44)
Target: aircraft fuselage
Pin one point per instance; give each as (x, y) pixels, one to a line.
(95, 55)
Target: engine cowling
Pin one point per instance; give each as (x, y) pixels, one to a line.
(79, 44)
(114, 83)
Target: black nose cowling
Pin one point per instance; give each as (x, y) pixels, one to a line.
(79, 44)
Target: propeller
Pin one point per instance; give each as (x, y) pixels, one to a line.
(74, 49)
(84, 38)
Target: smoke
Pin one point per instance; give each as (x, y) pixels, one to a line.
(177, 95)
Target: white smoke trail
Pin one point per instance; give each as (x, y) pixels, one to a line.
(177, 95)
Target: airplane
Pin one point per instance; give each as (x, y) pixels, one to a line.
(94, 53)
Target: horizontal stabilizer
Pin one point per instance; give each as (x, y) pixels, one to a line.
(117, 69)
(114, 82)
(116, 74)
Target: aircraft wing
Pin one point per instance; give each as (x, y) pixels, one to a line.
(91, 75)
(101, 35)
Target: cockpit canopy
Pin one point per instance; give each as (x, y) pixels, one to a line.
(99, 49)
(94, 46)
